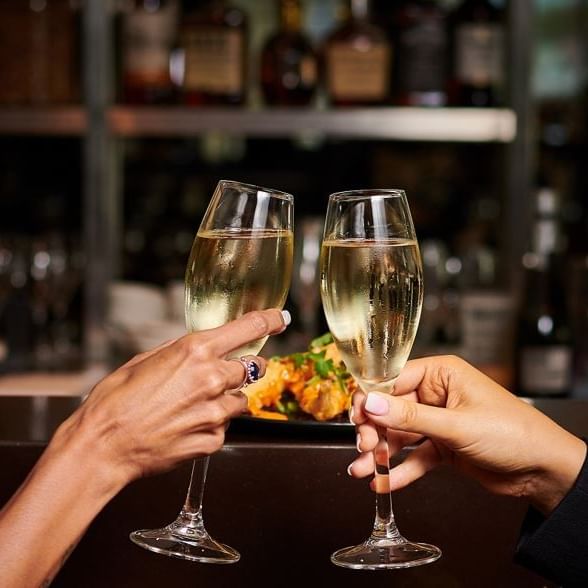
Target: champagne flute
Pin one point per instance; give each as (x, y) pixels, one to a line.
(241, 260)
(372, 292)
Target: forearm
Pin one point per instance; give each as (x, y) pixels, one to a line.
(42, 523)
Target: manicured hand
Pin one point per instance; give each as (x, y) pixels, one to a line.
(169, 404)
(459, 416)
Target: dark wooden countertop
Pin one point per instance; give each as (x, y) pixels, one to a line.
(284, 501)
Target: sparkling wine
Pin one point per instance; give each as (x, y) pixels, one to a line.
(231, 272)
(372, 295)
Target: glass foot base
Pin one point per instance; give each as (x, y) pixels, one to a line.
(185, 544)
(385, 554)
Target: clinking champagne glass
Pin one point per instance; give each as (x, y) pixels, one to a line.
(241, 260)
(372, 293)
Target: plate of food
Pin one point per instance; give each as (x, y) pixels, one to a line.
(306, 389)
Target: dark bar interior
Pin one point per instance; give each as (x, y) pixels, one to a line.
(117, 120)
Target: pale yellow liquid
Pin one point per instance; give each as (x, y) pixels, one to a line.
(372, 294)
(233, 272)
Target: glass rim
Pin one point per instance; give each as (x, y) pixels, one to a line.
(361, 193)
(253, 187)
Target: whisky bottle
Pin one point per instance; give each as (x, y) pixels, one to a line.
(545, 341)
(478, 47)
(214, 44)
(148, 35)
(358, 60)
(289, 67)
(420, 65)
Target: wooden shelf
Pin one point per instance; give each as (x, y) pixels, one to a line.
(404, 124)
(401, 124)
(55, 121)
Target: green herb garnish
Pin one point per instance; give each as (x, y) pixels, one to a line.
(321, 341)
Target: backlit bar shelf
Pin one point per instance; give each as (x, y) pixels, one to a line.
(402, 124)
(33, 120)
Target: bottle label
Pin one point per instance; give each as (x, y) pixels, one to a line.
(214, 59)
(479, 50)
(546, 370)
(308, 71)
(486, 319)
(148, 38)
(422, 64)
(358, 75)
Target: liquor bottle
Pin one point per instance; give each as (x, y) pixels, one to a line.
(358, 61)
(478, 47)
(214, 43)
(289, 68)
(39, 52)
(545, 345)
(421, 54)
(148, 35)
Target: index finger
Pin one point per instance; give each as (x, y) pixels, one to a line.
(251, 326)
(411, 377)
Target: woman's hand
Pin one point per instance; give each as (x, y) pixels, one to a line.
(466, 419)
(162, 407)
(169, 404)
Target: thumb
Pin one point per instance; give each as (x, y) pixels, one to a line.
(405, 415)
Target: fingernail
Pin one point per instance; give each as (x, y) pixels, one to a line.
(357, 442)
(287, 317)
(376, 404)
(349, 469)
(351, 415)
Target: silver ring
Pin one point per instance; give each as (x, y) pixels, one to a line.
(252, 370)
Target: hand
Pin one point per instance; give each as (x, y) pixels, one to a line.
(462, 417)
(160, 408)
(169, 404)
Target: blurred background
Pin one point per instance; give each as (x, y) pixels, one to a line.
(117, 118)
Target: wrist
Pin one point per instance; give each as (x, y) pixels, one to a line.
(558, 474)
(78, 447)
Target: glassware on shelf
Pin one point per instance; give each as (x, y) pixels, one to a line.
(241, 261)
(372, 292)
(289, 64)
(213, 46)
(40, 307)
(16, 320)
(149, 29)
(357, 60)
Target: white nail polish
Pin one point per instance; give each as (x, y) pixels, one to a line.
(357, 442)
(287, 317)
(349, 469)
(350, 413)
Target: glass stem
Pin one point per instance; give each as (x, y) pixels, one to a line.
(190, 521)
(384, 523)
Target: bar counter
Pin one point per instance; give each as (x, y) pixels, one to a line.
(283, 499)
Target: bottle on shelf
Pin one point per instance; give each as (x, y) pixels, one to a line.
(148, 36)
(420, 64)
(213, 41)
(38, 52)
(289, 67)
(544, 338)
(478, 37)
(358, 59)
